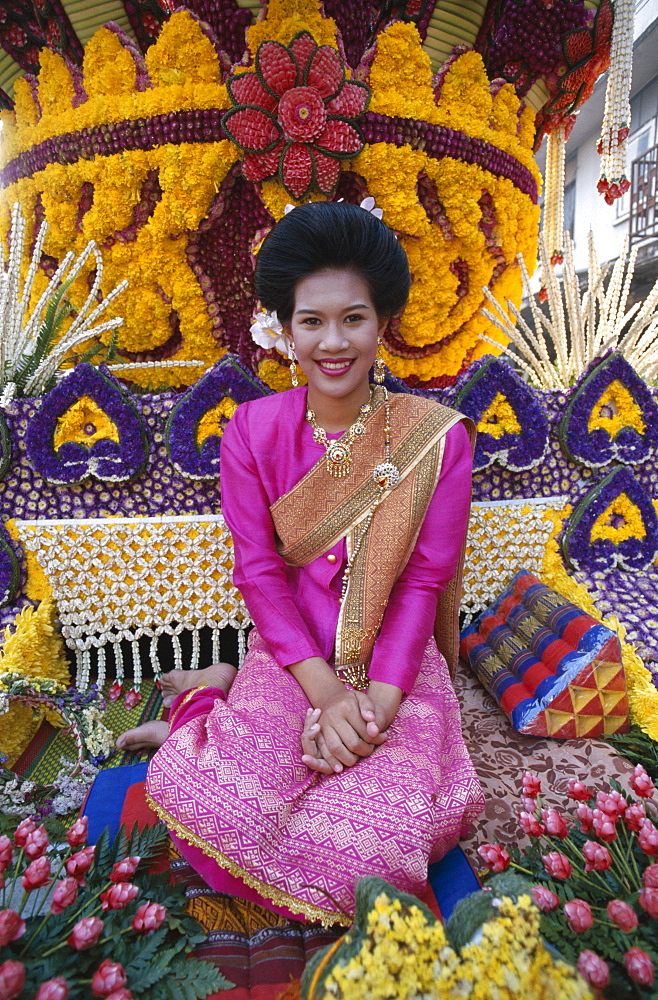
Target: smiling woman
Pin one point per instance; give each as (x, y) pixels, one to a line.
(337, 751)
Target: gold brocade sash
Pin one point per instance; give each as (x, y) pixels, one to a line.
(320, 510)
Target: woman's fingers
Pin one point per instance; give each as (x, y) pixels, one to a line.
(367, 709)
(317, 764)
(310, 732)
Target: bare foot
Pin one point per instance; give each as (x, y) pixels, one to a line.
(146, 737)
(220, 675)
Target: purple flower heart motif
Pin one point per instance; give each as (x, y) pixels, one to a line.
(611, 416)
(87, 426)
(5, 447)
(10, 569)
(511, 420)
(614, 525)
(195, 426)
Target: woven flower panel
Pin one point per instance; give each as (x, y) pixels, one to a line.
(503, 537)
(125, 578)
(553, 669)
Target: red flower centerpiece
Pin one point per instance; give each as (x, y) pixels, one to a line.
(295, 115)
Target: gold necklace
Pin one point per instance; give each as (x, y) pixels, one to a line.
(339, 452)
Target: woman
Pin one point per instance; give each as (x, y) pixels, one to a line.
(341, 550)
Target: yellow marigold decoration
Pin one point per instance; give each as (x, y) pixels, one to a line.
(631, 525)
(35, 649)
(215, 419)
(286, 18)
(277, 376)
(499, 418)
(615, 410)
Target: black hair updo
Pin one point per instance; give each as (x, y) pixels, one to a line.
(328, 236)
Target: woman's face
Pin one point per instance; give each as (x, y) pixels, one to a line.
(335, 329)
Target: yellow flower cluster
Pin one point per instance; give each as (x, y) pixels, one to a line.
(499, 418)
(631, 525)
(277, 376)
(642, 695)
(84, 423)
(215, 419)
(614, 410)
(35, 649)
(403, 955)
(286, 18)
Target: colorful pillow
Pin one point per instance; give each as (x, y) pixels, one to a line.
(554, 670)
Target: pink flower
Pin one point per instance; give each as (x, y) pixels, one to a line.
(593, 969)
(12, 979)
(530, 805)
(530, 824)
(641, 783)
(555, 825)
(85, 933)
(604, 825)
(119, 895)
(53, 989)
(77, 834)
(557, 864)
(494, 856)
(648, 837)
(36, 842)
(578, 791)
(597, 856)
(149, 917)
(64, 894)
(11, 927)
(6, 852)
(649, 901)
(531, 785)
(132, 698)
(109, 976)
(650, 877)
(21, 832)
(579, 915)
(634, 816)
(639, 966)
(125, 869)
(586, 817)
(122, 994)
(622, 914)
(611, 803)
(114, 692)
(80, 863)
(36, 874)
(545, 900)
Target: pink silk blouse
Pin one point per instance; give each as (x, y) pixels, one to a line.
(266, 449)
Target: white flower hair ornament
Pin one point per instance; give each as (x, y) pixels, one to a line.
(267, 332)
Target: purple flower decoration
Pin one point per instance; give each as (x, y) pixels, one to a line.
(10, 570)
(614, 525)
(195, 426)
(610, 417)
(511, 420)
(87, 426)
(5, 447)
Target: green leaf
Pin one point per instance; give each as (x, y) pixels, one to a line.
(193, 979)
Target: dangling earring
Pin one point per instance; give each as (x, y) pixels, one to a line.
(380, 367)
(293, 367)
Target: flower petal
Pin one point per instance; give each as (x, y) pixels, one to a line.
(302, 48)
(340, 138)
(251, 129)
(297, 169)
(247, 89)
(276, 68)
(351, 101)
(259, 166)
(327, 169)
(325, 71)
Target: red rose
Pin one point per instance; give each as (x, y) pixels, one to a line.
(554, 822)
(64, 894)
(634, 815)
(125, 869)
(6, 852)
(597, 856)
(649, 901)
(557, 864)
(578, 791)
(36, 874)
(530, 784)
(648, 837)
(80, 863)
(585, 816)
(109, 976)
(36, 842)
(85, 933)
(604, 825)
(119, 895)
(149, 917)
(579, 915)
(12, 979)
(494, 856)
(641, 783)
(639, 966)
(53, 989)
(530, 824)
(11, 927)
(650, 877)
(77, 834)
(544, 899)
(622, 914)
(21, 832)
(593, 969)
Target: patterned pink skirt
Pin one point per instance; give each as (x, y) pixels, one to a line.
(257, 823)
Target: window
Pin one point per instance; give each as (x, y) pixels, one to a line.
(638, 143)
